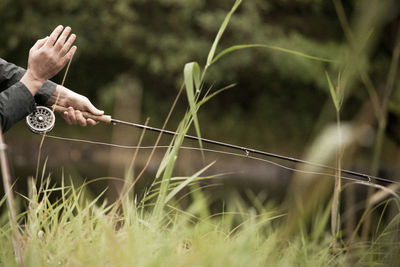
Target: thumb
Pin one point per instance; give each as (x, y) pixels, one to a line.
(92, 109)
(39, 43)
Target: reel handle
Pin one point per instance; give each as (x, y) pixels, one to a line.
(87, 115)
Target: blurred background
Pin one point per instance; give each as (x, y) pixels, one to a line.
(130, 60)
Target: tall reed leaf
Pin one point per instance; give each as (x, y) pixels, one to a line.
(173, 147)
(186, 182)
(219, 35)
(273, 47)
(336, 96)
(192, 79)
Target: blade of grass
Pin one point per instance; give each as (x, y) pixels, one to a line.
(334, 94)
(219, 35)
(191, 75)
(186, 182)
(273, 47)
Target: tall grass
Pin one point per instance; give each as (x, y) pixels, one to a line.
(360, 41)
(337, 98)
(64, 226)
(76, 230)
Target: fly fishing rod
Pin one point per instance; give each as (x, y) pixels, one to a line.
(42, 120)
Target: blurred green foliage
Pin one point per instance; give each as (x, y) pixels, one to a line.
(279, 97)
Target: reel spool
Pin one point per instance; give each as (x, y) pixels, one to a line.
(42, 120)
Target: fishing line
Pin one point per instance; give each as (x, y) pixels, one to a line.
(365, 182)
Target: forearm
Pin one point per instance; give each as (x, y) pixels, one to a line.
(61, 95)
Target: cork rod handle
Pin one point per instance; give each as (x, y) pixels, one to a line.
(87, 115)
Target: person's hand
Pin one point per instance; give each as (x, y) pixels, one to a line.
(75, 103)
(47, 57)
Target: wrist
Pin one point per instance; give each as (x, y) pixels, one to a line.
(31, 82)
(60, 96)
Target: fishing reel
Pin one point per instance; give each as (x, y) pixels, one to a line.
(42, 120)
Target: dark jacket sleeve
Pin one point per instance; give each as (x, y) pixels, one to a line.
(11, 74)
(16, 101)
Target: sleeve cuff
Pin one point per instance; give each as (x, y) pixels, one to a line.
(45, 92)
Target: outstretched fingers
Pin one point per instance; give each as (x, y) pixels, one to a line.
(63, 45)
(60, 41)
(67, 45)
(62, 38)
(69, 55)
(54, 35)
